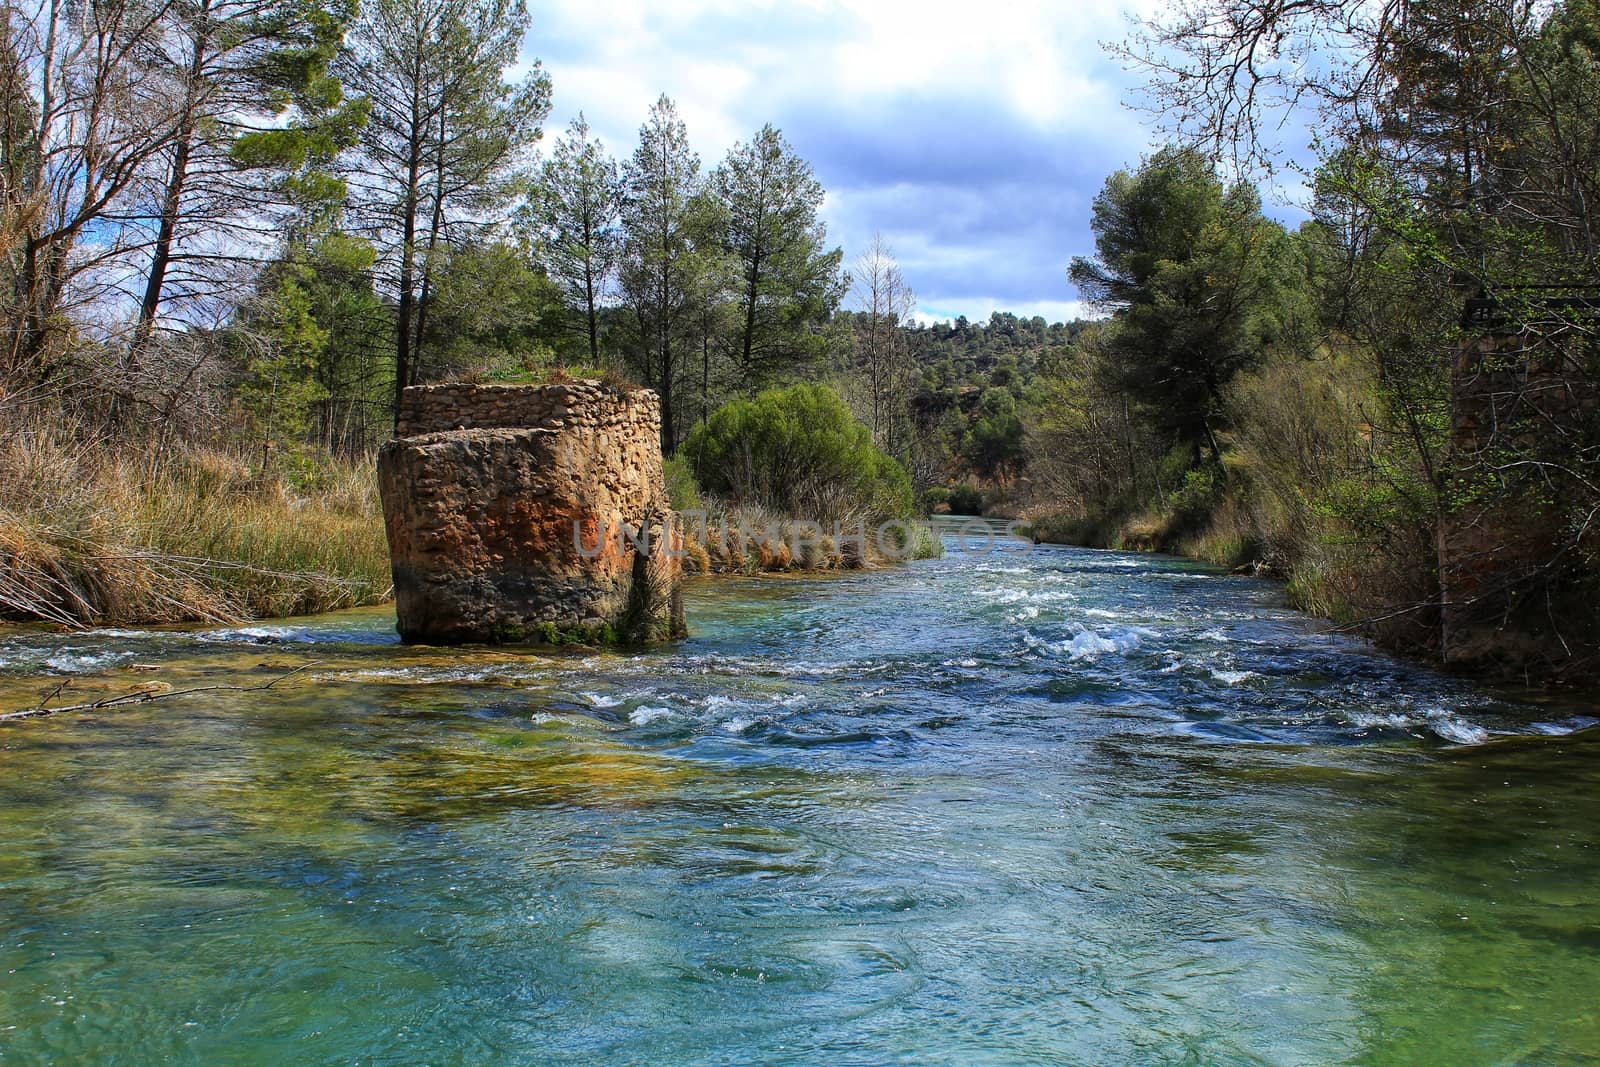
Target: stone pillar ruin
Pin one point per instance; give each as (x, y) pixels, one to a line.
(530, 514)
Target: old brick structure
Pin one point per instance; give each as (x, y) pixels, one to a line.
(510, 508)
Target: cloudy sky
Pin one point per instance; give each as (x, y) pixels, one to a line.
(973, 137)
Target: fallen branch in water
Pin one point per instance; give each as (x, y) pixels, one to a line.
(142, 696)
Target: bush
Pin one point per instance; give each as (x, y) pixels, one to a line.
(798, 451)
(1341, 501)
(682, 489)
(966, 500)
(936, 498)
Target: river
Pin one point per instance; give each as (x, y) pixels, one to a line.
(1017, 805)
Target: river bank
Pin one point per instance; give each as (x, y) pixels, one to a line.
(136, 533)
(1331, 579)
(139, 534)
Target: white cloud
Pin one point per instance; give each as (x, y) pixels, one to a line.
(979, 308)
(973, 139)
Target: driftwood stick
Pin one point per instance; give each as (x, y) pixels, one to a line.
(139, 697)
(48, 697)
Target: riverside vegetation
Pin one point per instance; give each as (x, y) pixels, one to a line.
(1283, 399)
(206, 381)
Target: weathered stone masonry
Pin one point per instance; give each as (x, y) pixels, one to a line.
(483, 490)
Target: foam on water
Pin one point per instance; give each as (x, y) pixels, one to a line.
(1458, 730)
(1443, 722)
(80, 661)
(644, 716)
(1087, 644)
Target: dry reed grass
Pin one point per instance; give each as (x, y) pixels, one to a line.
(95, 531)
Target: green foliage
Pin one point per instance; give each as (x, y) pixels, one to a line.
(260, 108)
(312, 343)
(667, 255)
(682, 489)
(788, 283)
(280, 385)
(490, 308)
(925, 543)
(936, 497)
(801, 452)
(574, 209)
(994, 446)
(966, 500)
(294, 73)
(1199, 284)
(445, 143)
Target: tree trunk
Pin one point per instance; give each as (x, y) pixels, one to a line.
(172, 199)
(750, 312)
(408, 256)
(435, 229)
(593, 313)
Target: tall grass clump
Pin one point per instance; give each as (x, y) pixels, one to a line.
(723, 538)
(100, 532)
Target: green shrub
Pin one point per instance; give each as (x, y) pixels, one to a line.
(798, 451)
(966, 500)
(1191, 506)
(935, 497)
(682, 489)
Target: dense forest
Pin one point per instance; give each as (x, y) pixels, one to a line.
(233, 230)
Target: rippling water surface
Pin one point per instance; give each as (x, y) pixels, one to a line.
(1032, 805)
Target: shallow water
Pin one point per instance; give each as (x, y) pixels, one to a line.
(1032, 805)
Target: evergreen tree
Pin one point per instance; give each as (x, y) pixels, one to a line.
(659, 266)
(310, 346)
(493, 311)
(1196, 279)
(238, 67)
(575, 209)
(789, 283)
(447, 133)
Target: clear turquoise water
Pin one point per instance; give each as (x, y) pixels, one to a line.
(1035, 806)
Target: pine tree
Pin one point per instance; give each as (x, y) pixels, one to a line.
(663, 181)
(789, 284)
(239, 67)
(575, 210)
(1195, 278)
(441, 151)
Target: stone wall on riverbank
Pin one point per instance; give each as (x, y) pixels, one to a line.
(530, 514)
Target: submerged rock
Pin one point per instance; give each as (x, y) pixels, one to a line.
(530, 514)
